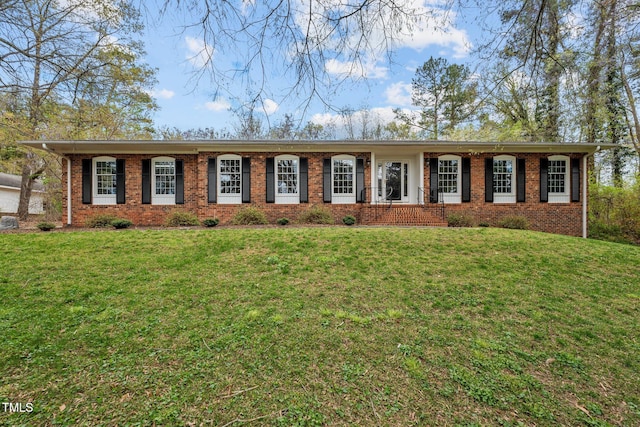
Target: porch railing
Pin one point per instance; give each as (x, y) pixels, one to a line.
(424, 198)
(373, 197)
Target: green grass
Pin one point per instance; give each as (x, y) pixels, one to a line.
(317, 326)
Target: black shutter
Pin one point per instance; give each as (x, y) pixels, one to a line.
(488, 180)
(326, 180)
(544, 180)
(86, 181)
(246, 180)
(179, 182)
(433, 180)
(466, 179)
(304, 180)
(575, 180)
(521, 180)
(271, 182)
(146, 181)
(360, 196)
(212, 181)
(120, 182)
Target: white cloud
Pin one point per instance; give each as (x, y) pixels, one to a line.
(162, 94)
(438, 30)
(217, 105)
(199, 53)
(398, 93)
(270, 106)
(356, 69)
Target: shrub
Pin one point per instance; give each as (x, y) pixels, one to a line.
(514, 222)
(316, 215)
(100, 221)
(209, 222)
(483, 224)
(614, 213)
(349, 220)
(249, 216)
(608, 232)
(459, 220)
(121, 223)
(181, 219)
(46, 226)
(282, 221)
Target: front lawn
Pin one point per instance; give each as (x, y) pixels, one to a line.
(319, 326)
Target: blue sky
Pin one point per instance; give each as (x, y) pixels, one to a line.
(186, 102)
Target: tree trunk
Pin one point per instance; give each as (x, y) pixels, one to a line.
(613, 102)
(25, 193)
(30, 172)
(635, 136)
(593, 81)
(550, 113)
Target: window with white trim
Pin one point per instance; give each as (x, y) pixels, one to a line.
(287, 179)
(449, 179)
(104, 181)
(229, 179)
(163, 171)
(342, 179)
(558, 179)
(504, 179)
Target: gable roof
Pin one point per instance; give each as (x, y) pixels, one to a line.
(15, 181)
(193, 147)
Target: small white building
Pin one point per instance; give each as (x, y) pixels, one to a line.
(10, 195)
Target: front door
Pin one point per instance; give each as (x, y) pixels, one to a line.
(393, 177)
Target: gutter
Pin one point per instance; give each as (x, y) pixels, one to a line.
(585, 177)
(44, 147)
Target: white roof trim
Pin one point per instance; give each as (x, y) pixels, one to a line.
(194, 147)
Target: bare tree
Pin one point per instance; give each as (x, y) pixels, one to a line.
(249, 125)
(49, 51)
(297, 38)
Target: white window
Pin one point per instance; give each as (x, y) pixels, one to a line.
(104, 181)
(229, 179)
(504, 179)
(287, 179)
(449, 168)
(342, 179)
(163, 170)
(558, 179)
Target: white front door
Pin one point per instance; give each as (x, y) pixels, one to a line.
(393, 180)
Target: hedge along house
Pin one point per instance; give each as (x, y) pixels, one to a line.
(378, 182)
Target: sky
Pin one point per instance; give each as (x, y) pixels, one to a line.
(187, 102)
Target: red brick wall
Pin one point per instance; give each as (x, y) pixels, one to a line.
(258, 189)
(563, 218)
(196, 189)
(133, 209)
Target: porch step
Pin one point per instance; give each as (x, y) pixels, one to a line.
(402, 215)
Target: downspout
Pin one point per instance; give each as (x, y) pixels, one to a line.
(44, 147)
(585, 177)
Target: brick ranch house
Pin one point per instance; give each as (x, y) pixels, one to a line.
(378, 182)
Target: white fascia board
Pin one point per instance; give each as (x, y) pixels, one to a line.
(195, 147)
